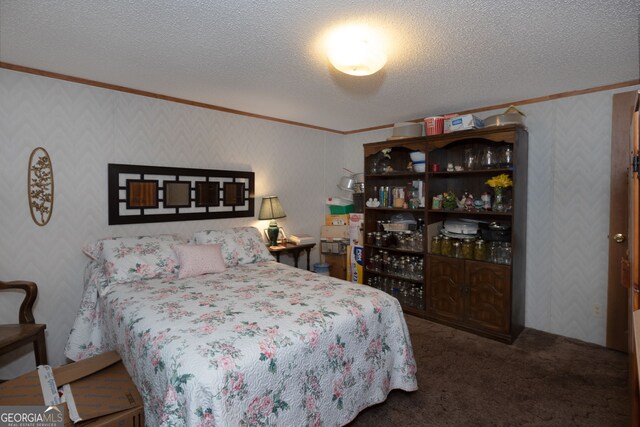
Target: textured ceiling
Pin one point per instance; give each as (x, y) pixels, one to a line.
(265, 57)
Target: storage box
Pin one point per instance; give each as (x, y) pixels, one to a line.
(336, 210)
(98, 391)
(356, 229)
(433, 125)
(333, 246)
(301, 239)
(338, 201)
(334, 231)
(356, 263)
(464, 122)
(336, 219)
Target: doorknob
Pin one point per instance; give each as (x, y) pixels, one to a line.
(619, 238)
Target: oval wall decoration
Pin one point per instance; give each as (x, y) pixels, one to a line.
(40, 187)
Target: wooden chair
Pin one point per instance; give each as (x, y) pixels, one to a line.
(27, 331)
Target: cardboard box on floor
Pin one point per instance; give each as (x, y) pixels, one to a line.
(334, 231)
(100, 388)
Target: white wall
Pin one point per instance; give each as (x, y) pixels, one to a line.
(568, 211)
(83, 128)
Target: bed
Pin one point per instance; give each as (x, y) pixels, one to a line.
(250, 342)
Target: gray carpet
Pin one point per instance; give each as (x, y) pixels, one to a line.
(540, 380)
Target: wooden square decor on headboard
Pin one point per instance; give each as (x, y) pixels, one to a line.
(140, 194)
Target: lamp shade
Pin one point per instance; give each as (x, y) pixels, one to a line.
(271, 208)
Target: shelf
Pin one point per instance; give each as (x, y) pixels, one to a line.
(482, 297)
(395, 276)
(406, 307)
(473, 212)
(471, 172)
(465, 259)
(387, 248)
(394, 209)
(403, 174)
(503, 134)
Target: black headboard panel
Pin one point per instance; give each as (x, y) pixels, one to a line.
(141, 194)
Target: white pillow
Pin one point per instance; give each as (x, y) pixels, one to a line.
(196, 260)
(133, 258)
(240, 245)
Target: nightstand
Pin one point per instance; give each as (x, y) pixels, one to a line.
(294, 250)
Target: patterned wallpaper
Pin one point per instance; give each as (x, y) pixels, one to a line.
(84, 128)
(567, 211)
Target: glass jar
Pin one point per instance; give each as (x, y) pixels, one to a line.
(480, 250)
(467, 248)
(410, 270)
(492, 252)
(436, 245)
(383, 165)
(446, 246)
(418, 241)
(456, 248)
(377, 263)
(371, 262)
(505, 253)
(396, 267)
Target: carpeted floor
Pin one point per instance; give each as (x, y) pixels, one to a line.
(540, 380)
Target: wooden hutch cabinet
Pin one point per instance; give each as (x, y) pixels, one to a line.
(481, 294)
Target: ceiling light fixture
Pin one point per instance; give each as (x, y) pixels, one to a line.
(356, 50)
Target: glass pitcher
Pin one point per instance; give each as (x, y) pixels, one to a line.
(489, 159)
(507, 157)
(470, 159)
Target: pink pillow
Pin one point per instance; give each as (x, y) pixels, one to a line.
(196, 260)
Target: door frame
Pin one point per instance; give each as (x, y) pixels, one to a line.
(617, 327)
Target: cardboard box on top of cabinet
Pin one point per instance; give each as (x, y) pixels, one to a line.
(98, 392)
(464, 122)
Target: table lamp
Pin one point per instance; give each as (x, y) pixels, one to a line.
(272, 209)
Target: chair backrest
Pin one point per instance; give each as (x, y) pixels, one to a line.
(31, 293)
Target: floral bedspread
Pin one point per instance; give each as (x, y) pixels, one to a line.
(260, 344)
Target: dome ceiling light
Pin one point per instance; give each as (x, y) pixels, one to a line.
(356, 50)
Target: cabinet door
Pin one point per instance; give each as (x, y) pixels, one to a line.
(445, 296)
(337, 266)
(489, 299)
